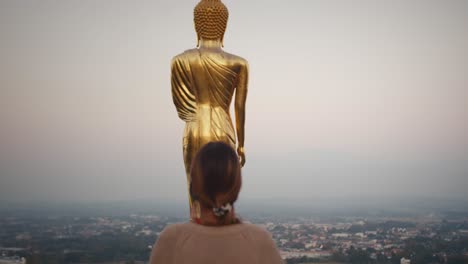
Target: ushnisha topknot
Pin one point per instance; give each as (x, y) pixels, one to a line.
(210, 17)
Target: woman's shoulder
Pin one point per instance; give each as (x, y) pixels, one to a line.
(173, 233)
(169, 232)
(257, 232)
(253, 227)
(176, 228)
(246, 229)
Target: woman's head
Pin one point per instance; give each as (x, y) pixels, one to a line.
(215, 176)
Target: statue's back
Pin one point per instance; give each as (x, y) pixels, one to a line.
(203, 84)
(214, 76)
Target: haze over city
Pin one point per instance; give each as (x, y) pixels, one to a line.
(346, 99)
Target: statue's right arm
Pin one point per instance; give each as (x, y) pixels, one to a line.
(183, 98)
(239, 106)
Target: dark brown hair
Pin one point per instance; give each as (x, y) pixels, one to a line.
(215, 175)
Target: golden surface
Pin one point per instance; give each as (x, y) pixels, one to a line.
(204, 81)
(210, 17)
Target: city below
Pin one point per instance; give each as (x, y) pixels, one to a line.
(116, 233)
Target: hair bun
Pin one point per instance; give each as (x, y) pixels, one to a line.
(223, 210)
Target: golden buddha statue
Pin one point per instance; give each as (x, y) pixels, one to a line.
(204, 80)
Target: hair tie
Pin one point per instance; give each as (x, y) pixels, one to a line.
(223, 210)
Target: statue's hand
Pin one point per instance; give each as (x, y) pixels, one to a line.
(241, 154)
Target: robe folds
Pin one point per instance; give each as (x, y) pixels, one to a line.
(203, 85)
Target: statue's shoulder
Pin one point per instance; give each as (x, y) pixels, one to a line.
(184, 55)
(236, 60)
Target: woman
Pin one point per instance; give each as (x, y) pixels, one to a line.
(215, 234)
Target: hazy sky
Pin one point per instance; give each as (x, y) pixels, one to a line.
(347, 98)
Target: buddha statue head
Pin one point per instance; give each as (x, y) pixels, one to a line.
(210, 17)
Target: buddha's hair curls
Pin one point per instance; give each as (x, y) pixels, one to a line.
(210, 17)
(215, 176)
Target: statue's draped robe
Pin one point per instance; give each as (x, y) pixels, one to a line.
(202, 90)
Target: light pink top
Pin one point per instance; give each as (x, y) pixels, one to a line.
(232, 244)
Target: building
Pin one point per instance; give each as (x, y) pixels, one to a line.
(405, 261)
